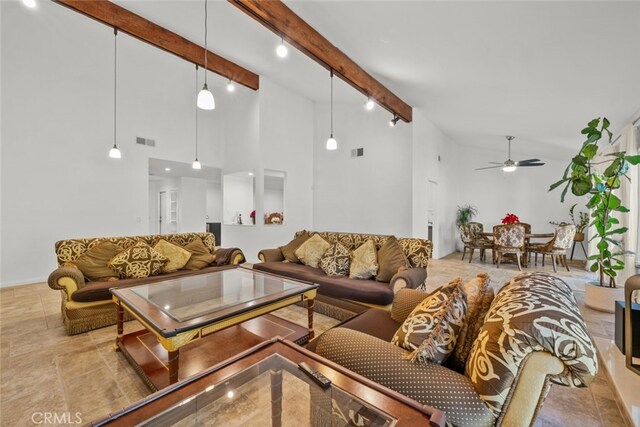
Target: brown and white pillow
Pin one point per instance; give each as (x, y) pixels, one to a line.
(423, 319)
(391, 258)
(336, 260)
(364, 261)
(140, 260)
(311, 251)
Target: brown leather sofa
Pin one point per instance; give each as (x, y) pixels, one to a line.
(533, 335)
(88, 305)
(341, 297)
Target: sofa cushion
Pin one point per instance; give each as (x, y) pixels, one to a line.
(200, 256)
(364, 261)
(312, 250)
(177, 256)
(336, 260)
(366, 291)
(440, 343)
(139, 261)
(99, 291)
(288, 250)
(424, 318)
(390, 260)
(93, 262)
(533, 312)
(475, 291)
(429, 383)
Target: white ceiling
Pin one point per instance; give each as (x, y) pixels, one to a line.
(479, 70)
(158, 171)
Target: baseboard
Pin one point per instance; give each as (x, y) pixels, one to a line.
(23, 282)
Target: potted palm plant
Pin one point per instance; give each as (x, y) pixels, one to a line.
(596, 178)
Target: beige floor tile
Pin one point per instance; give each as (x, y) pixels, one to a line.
(20, 410)
(93, 389)
(79, 362)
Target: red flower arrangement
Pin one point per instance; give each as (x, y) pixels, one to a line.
(510, 219)
(252, 215)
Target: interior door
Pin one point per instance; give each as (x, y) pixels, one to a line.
(432, 212)
(162, 205)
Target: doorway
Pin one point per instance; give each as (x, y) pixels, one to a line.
(161, 205)
(432, 212)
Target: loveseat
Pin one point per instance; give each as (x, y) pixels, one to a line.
(532, 335)
(88, 305)
(340, 296)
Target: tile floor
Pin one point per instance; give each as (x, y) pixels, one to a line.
(44, 370)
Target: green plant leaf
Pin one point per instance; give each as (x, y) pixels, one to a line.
(581, 186)
(621, 209)
(579, 160)
(634, 160)
(620, 230)
(602, 245)
(595, 199)
(594, 266)
(605, 123)
(590, 151)
(564, 192)
(594, 136)
(613, 220)
(585, 130)
(594, 123)
(612, 169)
(614, 201)
(557, 184)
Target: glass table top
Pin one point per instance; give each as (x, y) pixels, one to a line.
(190, 297)
(273, 392)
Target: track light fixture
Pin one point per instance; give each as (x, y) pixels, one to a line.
(31, 4)
(231, 87)
(282, 50)
(369, 105)
(205, 97)
(393, 122)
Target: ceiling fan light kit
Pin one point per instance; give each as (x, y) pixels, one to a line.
(510, 165)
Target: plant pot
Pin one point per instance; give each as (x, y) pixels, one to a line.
(579, 237)
(602, 298)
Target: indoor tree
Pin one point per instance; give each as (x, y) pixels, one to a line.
(597, 178)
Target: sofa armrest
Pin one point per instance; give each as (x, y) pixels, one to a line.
(66, 279)
(428, 383)
(229, 256)
(270, 255)
(409, 278)
(404, 302)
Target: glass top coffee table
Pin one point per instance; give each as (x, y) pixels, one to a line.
(263, 386)
(181, 311)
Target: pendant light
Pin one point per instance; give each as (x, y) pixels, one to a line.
(332, 144)
(114, 153)
(231, 87)
(205, 97)
(196, 163)
(369, 105)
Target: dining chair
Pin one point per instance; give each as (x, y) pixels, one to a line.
(472, 239)
(556, 248)
(509, 239)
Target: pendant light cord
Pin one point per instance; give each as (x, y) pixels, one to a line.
(197, 111)
(205, 42)
(115, 84)
(332, 102)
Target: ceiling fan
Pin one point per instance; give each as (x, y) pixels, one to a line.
(510, 165)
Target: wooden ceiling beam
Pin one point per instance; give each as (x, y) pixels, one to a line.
(136, 26)
(277, 17)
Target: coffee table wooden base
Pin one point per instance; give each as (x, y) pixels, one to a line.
(151, 360)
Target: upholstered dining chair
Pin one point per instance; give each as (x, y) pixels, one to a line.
(472, 239)
(509, 239)
(556, 248)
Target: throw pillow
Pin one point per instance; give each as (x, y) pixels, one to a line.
(93, 263)
(288, 250)
(422, 320)
(439, 345)
(475, 291)
(312, 250)
(336, 260)
(176, 255)
(364, 261)
(391, 259)
(200, 255)
(140, 260)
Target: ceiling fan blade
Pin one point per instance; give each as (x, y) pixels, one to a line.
(528, 161)
(496, 163)
(530, 164)
(489, 167)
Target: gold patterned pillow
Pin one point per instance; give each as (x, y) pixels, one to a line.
(93, 262)
(336, 260)
(140, 260)
(177, 256)
(422, 320)
(288, 250)
(364, 261)
(441, 342)
(311, 251)
(200, 255)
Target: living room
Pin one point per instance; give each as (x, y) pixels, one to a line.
(471, 73)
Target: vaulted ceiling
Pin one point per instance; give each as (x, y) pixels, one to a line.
(479, 70)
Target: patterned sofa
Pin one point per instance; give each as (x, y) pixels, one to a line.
(341, 297)
(87, 305)
(533, 335)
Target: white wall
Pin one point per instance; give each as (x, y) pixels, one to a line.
(369, 194)
(435, 158)
(237, 198)
(192, 206)
(214, 201)
(273, 194)
(57, 181)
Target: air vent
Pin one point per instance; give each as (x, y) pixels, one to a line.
(146, 141)
(357, 152)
